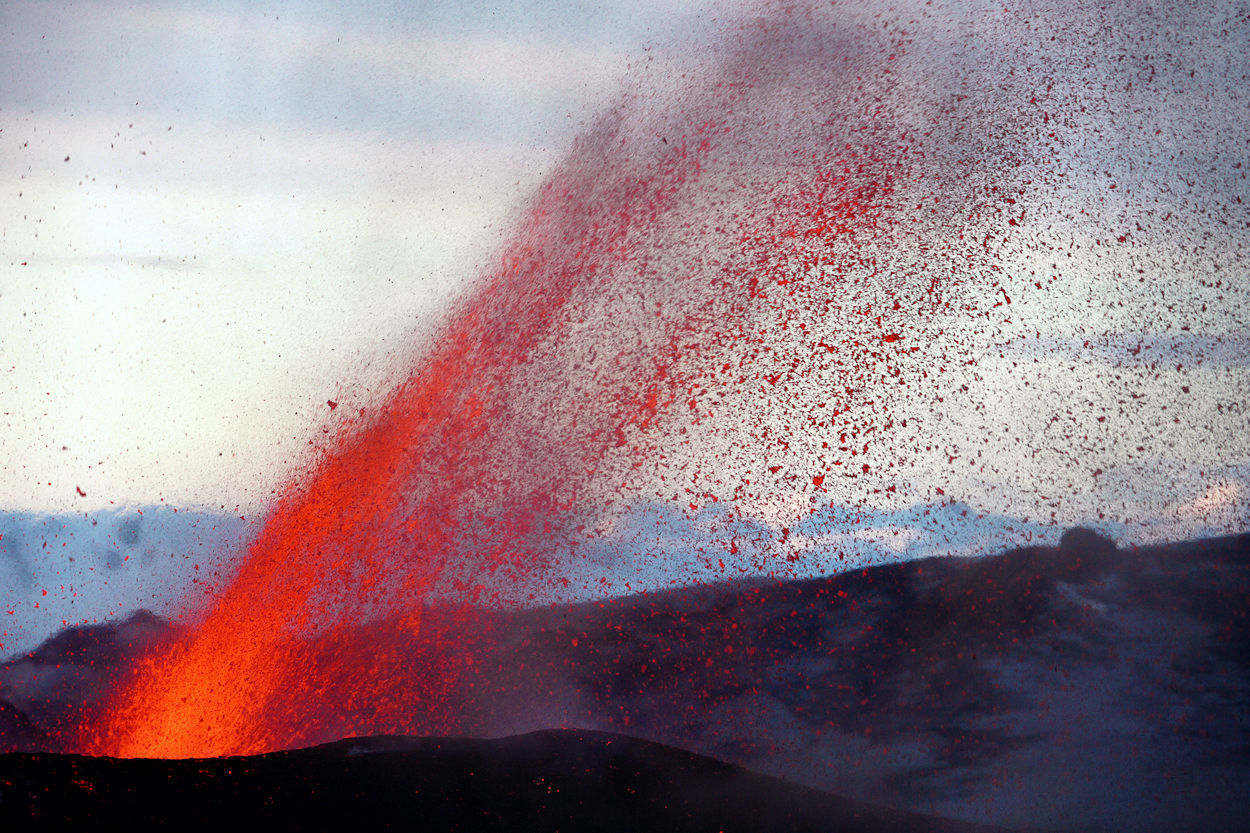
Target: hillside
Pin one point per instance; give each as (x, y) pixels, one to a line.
(1075, 687)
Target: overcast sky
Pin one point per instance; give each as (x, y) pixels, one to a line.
(215, 215)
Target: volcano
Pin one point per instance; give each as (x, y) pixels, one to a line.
(720, 297)
(764, 299)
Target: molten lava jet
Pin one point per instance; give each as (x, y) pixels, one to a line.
(735, 294)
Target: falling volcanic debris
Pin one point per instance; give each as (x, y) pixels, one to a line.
(748, 291)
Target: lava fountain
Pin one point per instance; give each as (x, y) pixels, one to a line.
(726, 293)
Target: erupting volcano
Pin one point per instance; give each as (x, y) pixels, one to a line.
(744, 296)
(736, 294)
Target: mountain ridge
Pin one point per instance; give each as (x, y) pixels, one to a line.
(1052, 688)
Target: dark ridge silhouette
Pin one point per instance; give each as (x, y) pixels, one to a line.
(103, 644)
(1081, 542)
(554, 780)
(60, 685)
(17, 733)
(1079, 687)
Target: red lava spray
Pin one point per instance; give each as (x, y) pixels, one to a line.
(732, 295)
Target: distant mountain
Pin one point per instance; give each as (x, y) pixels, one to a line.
(62, 570)
(1072, 687)
(658, 546)
(63, 681)
(59, 570)
(101, 565)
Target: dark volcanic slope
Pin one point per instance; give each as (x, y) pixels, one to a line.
(45, 693)
(559, 780)
(1072, 688)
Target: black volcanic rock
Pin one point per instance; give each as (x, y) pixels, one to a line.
(102, 644)
(555, 780)
(17, 732)
(58, 684)
(1083, 542)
